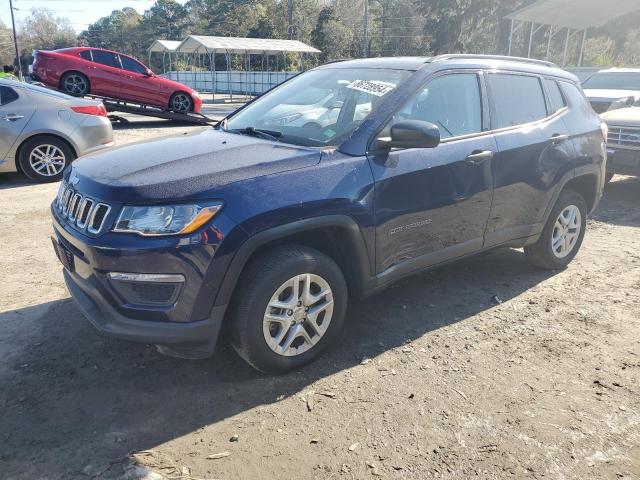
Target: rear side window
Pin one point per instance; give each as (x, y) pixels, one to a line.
(106, 58)
(131, 65)
(86, 54)
(517, 99)
(555, 95)
(7, 95)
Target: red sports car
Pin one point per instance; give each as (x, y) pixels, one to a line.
(83, 70)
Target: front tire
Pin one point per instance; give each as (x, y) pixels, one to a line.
(181, 102)
(288, 307)
(44, 158)
(75, 84)
(562, 235)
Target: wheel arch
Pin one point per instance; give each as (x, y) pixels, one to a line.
(337, 236)
(42, 134)
(71, 70)
(586, 185)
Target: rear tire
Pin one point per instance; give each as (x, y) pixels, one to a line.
(181, 102)
(562, 235)
(75, 84)
(44, 158)
(294, 332)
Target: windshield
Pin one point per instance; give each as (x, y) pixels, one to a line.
(614, 81)
(318, 108)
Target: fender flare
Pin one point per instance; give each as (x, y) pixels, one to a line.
(253, 243)
(577, 173)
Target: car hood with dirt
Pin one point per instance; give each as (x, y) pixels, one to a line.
(185, 167)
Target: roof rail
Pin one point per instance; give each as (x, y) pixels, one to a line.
(453, 56)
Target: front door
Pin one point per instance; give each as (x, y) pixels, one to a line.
(16, 109)
(432, 204)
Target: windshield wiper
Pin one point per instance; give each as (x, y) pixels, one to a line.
(258, 132)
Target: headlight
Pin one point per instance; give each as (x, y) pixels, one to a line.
(165, 219)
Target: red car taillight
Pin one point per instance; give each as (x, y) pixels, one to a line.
(98, 110)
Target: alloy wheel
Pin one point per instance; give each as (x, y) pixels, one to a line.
(47, 160)
(566, 231)
(298, 315)
(75, 84)
(181, 102)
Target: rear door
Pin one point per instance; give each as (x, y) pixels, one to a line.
(534, 152)
(107, 77)
(16, 109)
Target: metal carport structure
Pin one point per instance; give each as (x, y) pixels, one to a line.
(203, 51)
(571, 17)
(166, 48)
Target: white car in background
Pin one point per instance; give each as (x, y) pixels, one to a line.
(613, 88)
(623, 141)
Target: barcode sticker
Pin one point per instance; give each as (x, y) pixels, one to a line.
(374, 87)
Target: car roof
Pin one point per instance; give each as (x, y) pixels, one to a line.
(444, 62)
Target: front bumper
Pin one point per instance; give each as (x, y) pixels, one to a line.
(187, 326)
(623, 161)
(185, 340)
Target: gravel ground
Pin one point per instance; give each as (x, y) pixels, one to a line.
(434, 378)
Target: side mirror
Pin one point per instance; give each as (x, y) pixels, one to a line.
(148, 73)
(410, 134)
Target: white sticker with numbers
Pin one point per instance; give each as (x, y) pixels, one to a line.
(374, 87)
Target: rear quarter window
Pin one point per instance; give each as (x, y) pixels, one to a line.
(86, 54)
(555, 95)
(7, 95)
(517, 99)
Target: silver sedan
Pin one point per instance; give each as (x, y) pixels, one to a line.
(42, 131)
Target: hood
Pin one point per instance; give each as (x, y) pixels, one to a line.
(601, 94)
(171, 85)
(629, 116)
(182, 167)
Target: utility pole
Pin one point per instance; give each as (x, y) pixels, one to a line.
(365, 41)
(15, 40)
(290, 14)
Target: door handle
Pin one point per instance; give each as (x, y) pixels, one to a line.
(478, 156)
(11, 117)
(559, 138)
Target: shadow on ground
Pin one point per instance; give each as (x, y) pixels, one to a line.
(620, 204)
(70, 394)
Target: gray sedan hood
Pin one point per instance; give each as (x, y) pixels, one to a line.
(188, 166)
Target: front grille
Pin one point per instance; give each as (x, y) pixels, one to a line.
(84, 213)
(628, 137)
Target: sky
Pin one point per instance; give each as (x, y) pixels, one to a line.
(81, 13)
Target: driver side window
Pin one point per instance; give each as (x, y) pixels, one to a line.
(451, 102)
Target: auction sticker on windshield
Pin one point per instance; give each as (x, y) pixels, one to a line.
(374, 87)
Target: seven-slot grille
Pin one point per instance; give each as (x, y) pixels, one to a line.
(628, 137)
(83, 212)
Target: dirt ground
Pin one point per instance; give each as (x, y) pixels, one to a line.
(433, 379)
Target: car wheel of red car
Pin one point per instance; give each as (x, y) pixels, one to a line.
(181, 102)
(75, 84)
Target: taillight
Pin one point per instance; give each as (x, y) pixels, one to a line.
(98, 110)
(604, 128)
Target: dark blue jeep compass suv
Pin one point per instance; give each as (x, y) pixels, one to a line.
(333, 185)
